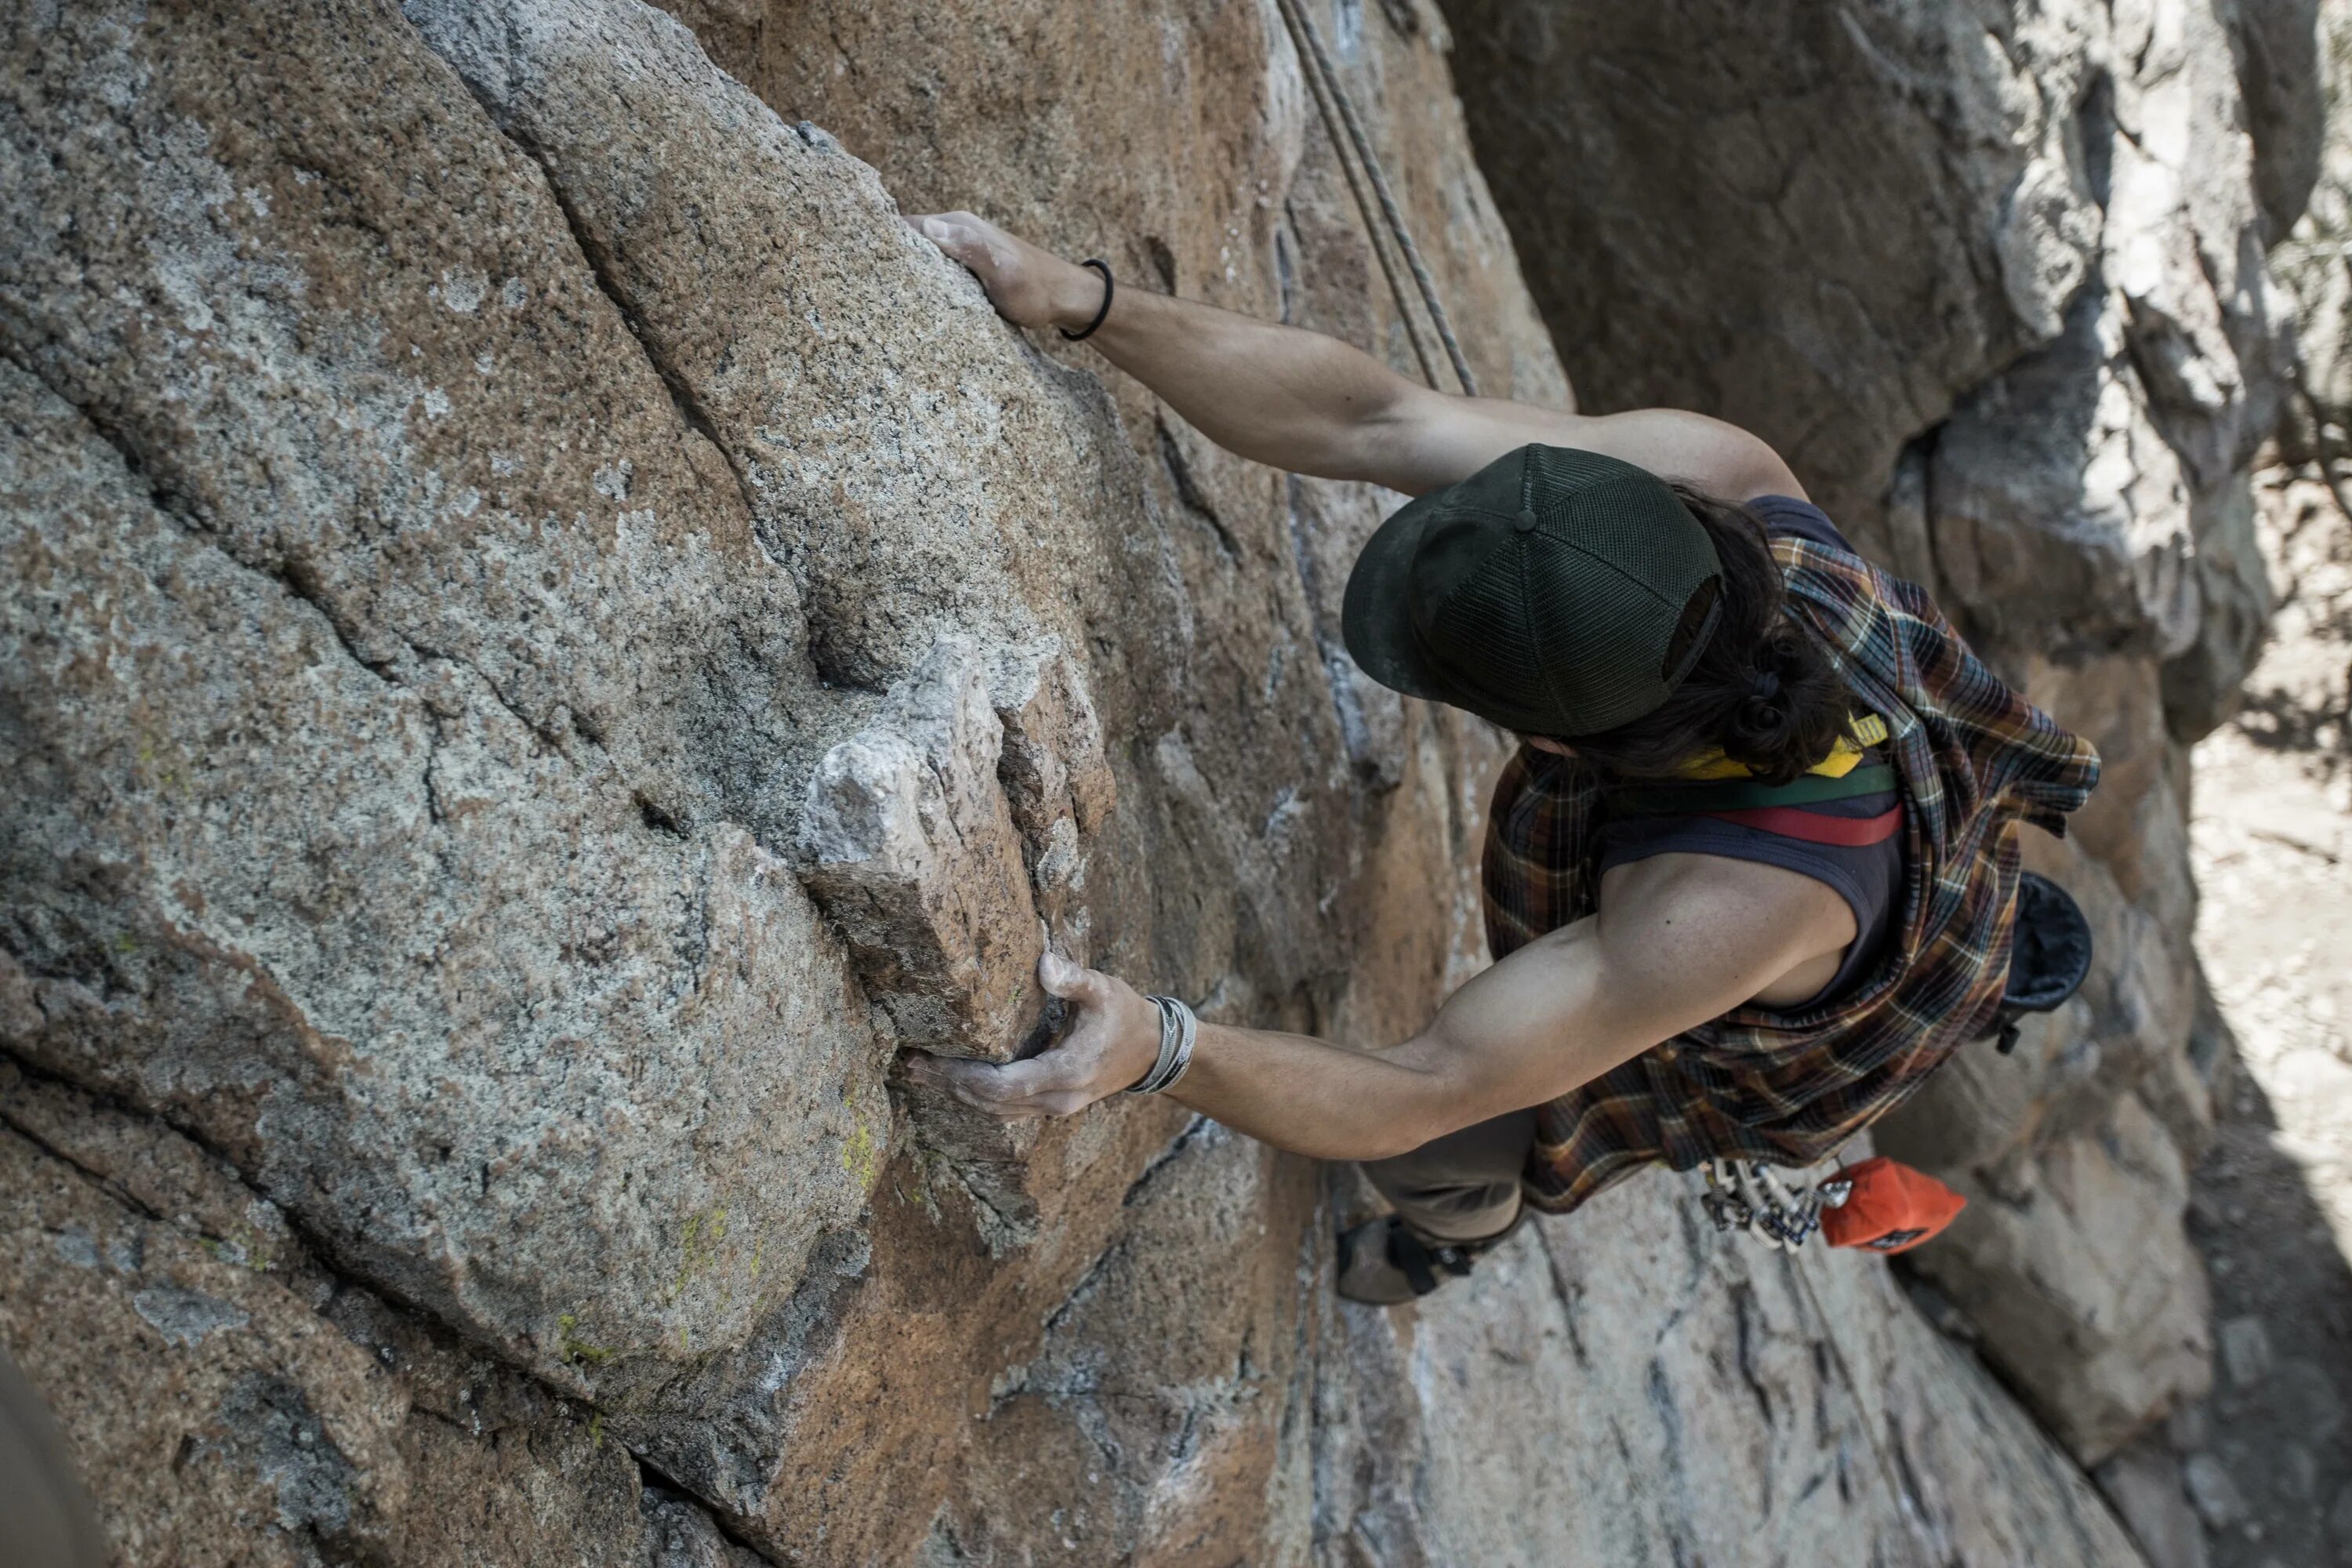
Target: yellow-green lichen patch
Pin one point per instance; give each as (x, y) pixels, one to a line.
(858, 1155)
(241, 1247)
(698, 1247)
(571, 1347)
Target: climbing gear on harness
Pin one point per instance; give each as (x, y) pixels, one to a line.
(1382, 1261)
(2048, 955)
(1889, 1207)
(1339, 112)
(1099, 265)
(1747, 1195)
(1881, 1204)
(1180, 1028)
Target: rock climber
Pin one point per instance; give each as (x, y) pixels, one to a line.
(1750, 876)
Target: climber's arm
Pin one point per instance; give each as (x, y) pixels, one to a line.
(1310, 404)
(1684, 940)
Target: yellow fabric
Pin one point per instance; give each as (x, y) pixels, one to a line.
(1866, 730)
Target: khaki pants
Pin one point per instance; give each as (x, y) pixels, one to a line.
(1464, 1186)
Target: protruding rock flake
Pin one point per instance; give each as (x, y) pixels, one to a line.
(913, 854)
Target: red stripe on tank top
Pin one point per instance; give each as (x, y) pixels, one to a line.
(1789, 822)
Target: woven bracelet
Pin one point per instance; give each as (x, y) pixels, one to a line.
(1179, 1029)
(1172, 1034)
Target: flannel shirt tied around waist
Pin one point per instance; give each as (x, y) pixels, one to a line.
(1974, 760)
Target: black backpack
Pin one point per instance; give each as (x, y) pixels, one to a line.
(2048, 956)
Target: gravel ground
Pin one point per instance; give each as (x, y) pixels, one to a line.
(2267, 1462)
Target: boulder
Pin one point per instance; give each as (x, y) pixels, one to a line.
(229, 1400)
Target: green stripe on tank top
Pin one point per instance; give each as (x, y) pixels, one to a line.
(1747, 794)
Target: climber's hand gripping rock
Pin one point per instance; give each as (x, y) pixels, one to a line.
(1029, 286)
(1112, 1043)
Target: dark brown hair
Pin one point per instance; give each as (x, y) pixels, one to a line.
(1763, 689)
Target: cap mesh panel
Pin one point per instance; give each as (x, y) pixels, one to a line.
(1565, 629)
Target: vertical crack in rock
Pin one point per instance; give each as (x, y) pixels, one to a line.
(1137, 1188)
(438, 31)
(1189, 494)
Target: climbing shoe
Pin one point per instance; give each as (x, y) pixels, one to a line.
(1382, 1262)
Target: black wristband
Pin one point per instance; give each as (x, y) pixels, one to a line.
(1099, 265)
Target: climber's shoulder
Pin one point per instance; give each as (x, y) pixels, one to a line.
(1435, 440)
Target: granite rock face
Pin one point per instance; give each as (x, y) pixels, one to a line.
(546, 635)
(1994, 277)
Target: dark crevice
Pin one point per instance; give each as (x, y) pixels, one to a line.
(548, 734)
(165, 498)
(120, 1106)
(100, 1179)
(301, 579)
(1743, 1307)
(1567, 1302)
(681, 392)
(658, 818)
(1002, 1228)
(651, 1475)
(433, 808)
(1188, 491)
(1164, 262)
(1182, 1141)
(1285, 265)
(1365, 761)
(1069, 1303)
(2096, 124)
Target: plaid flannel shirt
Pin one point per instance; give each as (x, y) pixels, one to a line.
(1974, 759)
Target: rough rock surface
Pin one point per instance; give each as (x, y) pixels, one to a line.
(2314, 258)
(546, 635)
(2264, 1464)
(1993, 276)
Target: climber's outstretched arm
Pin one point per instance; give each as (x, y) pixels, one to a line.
(1684, 939)
(1310, 404)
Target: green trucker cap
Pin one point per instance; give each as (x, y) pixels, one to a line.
(1543, 591)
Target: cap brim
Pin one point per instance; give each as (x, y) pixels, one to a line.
(1375, 618)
